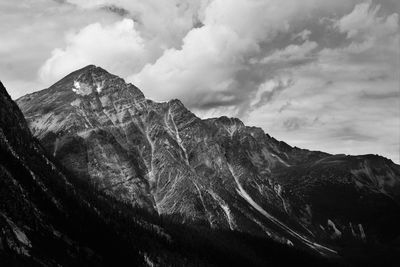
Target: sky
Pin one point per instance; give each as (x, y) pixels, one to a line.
(317, 74)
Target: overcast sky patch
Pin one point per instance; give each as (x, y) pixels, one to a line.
(275, 64)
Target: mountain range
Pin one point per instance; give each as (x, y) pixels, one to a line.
(91, 155)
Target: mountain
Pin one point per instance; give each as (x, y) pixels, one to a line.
(44, 221)
(216, 173)
(49, 217)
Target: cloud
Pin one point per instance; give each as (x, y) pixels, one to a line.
(268, 90)
(117, 10)
(348, 133)
(29, 31)
(294, 123)
(291, 56)
(210, 58)
(306, 71)
(164, 22)
(352, 87)
(364, 20)
(380, 96)
(219, 56)
(117, 47)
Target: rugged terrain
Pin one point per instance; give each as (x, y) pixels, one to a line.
(49, 217)
(43, 218)
(217, 172)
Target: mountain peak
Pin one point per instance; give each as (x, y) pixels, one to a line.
(90, 68)
(90, 80)
(88, 88)
(90, 77)
(216, 172)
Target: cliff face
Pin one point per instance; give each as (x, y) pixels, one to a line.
(43, 218)
(48, 217)
(217, 172)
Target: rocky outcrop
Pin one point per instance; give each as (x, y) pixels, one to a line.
(216, 172)
(44, 221)
(48, 217)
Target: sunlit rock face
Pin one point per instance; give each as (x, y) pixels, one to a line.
(219, 172)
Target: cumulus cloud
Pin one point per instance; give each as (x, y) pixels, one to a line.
(268, 90)
(319, 74)
(364, 20)
(164, 22)
(207, 63)
(117, 47)
(218, 57)
(29, 31)
(292, 53)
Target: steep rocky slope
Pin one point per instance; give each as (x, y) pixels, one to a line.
(43, 220)
(216, 172)
(50, 218)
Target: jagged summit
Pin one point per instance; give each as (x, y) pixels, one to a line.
(85, 72)
(89, 69)
(90, 87)
(44, 220)
(50, 218)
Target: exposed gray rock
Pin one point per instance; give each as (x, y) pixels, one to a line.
(219, 172)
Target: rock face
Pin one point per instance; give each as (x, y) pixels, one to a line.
(43, 219)
(49, 218)
(216, 172)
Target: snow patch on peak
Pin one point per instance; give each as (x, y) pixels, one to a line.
(99, 86)
(81, 88)
(77, 85)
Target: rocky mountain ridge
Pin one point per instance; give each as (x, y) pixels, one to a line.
(42, 214)
(49, 217)
(216, 172)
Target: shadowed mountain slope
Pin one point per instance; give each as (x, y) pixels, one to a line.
(216, 172)
(48, 217)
